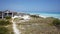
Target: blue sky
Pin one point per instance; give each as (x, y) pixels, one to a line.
(31, 5)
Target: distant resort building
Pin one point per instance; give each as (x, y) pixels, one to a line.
(5, 13)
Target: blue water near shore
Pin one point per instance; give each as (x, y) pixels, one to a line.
(48, 14)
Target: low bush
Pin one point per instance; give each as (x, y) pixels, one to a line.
(56, 22)
(4, 22)
(4, 30)
(21, 18)
(8, 17)
(36, 16)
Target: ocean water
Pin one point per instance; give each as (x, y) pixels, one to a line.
(48, 14)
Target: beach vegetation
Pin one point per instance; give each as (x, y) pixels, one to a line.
(8, 17)
(56, 22)
(36, 16)
(4, 30)
(4, 22)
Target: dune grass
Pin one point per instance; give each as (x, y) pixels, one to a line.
(38, 26)
(5, 26)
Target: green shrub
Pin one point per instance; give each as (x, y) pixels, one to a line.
(21, 19)
(8, 17)
(4, 22)
(56, 22)
(4, 30)
(36, 16)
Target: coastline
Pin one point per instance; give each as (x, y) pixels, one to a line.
(45, 15)
(51, 15)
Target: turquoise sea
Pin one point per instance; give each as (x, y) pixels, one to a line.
(48, 14)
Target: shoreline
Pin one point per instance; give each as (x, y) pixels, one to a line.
(45, 15)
